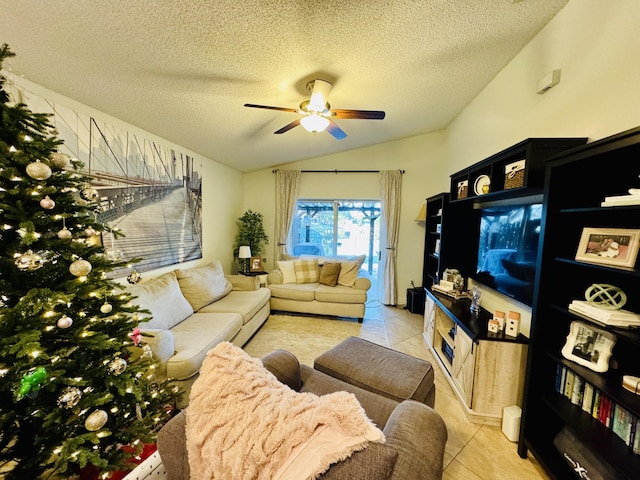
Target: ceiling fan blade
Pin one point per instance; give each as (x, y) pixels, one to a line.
(360, 114)
(267, 107)
(336, 131)
(288, 127)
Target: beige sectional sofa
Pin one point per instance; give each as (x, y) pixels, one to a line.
(194, 309)
(305, 285)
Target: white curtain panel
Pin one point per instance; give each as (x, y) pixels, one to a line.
(287, 188)
(390, 192)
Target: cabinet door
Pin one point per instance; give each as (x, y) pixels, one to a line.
(464, 363)
(429, 319)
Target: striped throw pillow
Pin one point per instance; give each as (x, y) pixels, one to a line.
(307, 270)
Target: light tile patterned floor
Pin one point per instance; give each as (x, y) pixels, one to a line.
(473, 452)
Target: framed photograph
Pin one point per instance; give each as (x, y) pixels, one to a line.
(609, 246)
(255, 265)
(589, 346)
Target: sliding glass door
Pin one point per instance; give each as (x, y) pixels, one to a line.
(338, 227)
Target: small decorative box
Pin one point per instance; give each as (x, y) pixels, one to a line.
(514, 174)
(498, 316)
(463, 189)
(493, 326)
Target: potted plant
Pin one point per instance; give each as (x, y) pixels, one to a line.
(250, 232)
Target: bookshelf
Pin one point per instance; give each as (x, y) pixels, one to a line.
(576, 183)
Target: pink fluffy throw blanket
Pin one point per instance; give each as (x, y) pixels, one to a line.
(242, 423)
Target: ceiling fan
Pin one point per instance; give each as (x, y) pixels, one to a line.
(317, 114)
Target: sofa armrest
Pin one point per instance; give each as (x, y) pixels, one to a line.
(419, 435)
(275, 277)
(285, 366)
(244, 282)
(362, 283)
(172, 446)
(161, 343)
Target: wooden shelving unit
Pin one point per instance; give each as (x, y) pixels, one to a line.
(449, 238)
(576, 183)
(534, 152)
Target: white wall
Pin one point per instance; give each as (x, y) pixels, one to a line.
(422, 158)
(221, 187)
(595, 45)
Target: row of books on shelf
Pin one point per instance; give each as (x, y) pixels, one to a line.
(595, 403)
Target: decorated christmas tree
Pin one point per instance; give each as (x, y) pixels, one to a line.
(77, 385)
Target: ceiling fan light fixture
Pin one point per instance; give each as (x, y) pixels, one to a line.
(314, 123)
(319, 94)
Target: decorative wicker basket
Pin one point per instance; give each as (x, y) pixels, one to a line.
(514, 174)
(463, 189)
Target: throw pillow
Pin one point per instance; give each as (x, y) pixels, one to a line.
(329, 274)
(242, 423)
(307, 270)
(163, 297)
(288, 271)
(348, 273)
(203, 285)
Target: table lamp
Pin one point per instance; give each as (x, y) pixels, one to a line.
(244, 253)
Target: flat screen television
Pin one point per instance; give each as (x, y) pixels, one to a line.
(508, 249)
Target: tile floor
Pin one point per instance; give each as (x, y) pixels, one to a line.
(473, 452)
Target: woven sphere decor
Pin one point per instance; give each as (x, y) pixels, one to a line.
(605, 296)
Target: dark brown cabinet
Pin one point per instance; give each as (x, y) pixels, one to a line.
(517, 171)
(576, 183)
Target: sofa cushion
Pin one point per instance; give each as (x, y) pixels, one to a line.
(304, 291)
(195, 337)
(288, 271)
(348, 273)
(340, 294)
(163, 297)
(203, 285)
(307, 270)
(246, 303)
(329, 274)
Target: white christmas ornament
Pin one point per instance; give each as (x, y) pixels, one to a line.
(64, 322)
(106, 308)
(60, 160)
(80, 268)
(38, 170)
(47, 203)
(89, 194)
(96, 420)
(89, 232)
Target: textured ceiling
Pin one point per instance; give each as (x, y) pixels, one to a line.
(182, 69)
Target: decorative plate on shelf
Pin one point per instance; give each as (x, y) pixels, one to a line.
(482, 185)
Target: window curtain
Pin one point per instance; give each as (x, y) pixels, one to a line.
(390, 192)
(287, 188)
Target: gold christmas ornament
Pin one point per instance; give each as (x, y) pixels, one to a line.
(89, 194)
(60, 160)
(96, 420)
(64, 322)
(29, 261)
(118, 366)
(89, 232)
(69, 397)
(65, 234)
(38, 170)
(47, 203)
(80, 268)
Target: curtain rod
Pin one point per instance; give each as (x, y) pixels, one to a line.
(337, 171)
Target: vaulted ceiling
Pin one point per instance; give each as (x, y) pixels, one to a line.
(183, 69)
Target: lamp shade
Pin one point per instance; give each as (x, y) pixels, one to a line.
(244, 252)
(314, 123)
(422, 216)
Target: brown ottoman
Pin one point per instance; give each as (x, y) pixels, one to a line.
(379, 369)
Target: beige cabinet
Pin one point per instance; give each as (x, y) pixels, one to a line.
(486, 374)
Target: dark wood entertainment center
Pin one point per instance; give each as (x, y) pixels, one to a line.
(571, 179)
